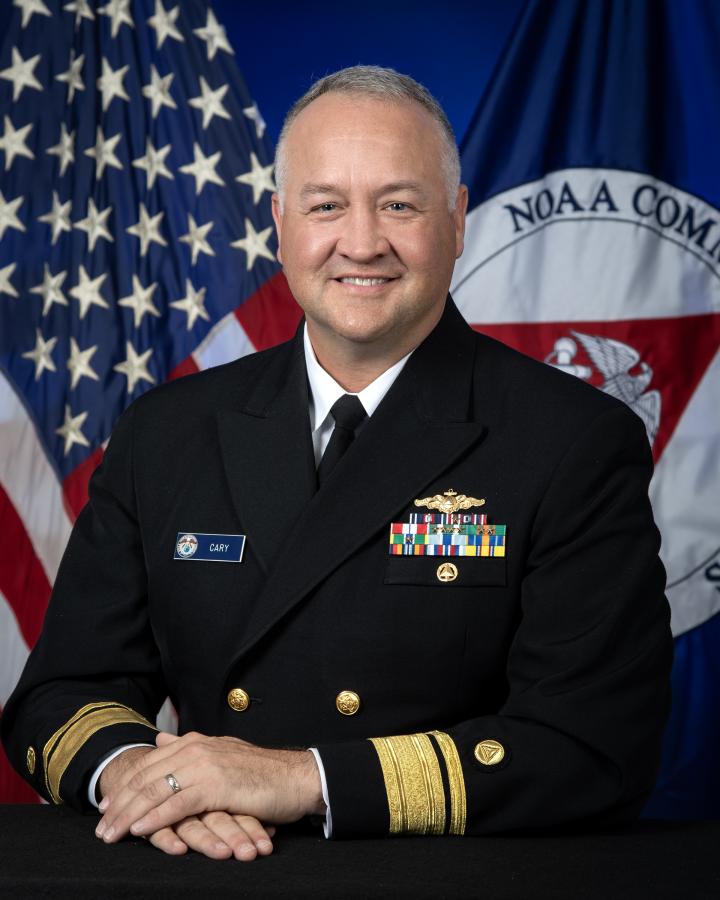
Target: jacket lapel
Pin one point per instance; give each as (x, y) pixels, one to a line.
(423, 425)
(267, 453)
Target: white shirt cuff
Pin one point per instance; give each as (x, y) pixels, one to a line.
(101, 768)
(327, 824)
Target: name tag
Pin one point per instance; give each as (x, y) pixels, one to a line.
(209, 547)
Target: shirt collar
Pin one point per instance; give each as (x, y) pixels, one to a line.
(324, 390)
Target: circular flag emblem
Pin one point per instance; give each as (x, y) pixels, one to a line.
(614, 277)
(187, 545)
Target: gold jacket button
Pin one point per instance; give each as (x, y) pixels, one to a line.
(489, 753)
(447, 572)
(238, 699)
(30, 760)
(347, 703)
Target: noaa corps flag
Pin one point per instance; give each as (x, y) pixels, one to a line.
(593, 243)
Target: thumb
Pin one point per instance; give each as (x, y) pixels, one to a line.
(163, 738)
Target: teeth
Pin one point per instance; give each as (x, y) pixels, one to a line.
(365, 282)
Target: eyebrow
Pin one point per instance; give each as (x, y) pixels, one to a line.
(396, 186)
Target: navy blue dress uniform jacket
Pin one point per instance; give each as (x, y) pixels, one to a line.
(530, 691)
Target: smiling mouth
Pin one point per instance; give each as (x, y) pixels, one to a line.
(364, 282)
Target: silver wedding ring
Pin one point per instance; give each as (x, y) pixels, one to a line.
(173, 782)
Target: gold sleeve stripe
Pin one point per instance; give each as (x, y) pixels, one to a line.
(62, 747)
(456, 781)
(413, 784)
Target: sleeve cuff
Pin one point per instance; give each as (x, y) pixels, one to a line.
(327, 824)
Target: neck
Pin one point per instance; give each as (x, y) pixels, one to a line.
(354, 367)
(356, 364)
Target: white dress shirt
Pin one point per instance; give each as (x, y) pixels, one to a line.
(324, 391)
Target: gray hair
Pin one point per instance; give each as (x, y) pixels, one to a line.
(383, 84)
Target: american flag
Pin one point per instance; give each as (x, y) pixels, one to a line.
(136, 245)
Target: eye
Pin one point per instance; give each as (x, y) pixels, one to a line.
(325, 207)
(397, 206)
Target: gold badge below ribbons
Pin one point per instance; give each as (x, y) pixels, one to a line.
(447, 572)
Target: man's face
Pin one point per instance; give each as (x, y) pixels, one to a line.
(367, 240)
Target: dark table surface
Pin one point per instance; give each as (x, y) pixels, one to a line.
(52, 852)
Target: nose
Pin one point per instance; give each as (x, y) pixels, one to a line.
(362, 238)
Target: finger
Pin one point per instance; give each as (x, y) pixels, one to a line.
(167, 840)
(258, 833)
(165, 739)
(175, 753)
(145, 788)
(202, 839)
(244, 834)
(155, 806)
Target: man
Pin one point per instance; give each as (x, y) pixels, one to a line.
(460, 613)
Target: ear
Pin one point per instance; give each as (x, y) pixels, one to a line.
(459, 214)
(277, 218)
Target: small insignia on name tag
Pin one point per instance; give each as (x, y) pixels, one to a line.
(449, 532)
(209, 547)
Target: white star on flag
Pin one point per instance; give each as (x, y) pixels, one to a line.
(154, 162)
(210, 102)
(13, 142)
(259, 178)
(197, 238)
(49, 289)
(58, 218)
(72, 76)
(5, 285)
(140, 301)
(95, 224)
(21, 73)
(158, 91)
(87, 291)
(134, 368)
(64, 149)
(41, 356)
(203, 168)
(110, 84)
(81, 9)
(117, 10)
(147, 229)
(29, 8)
(192, 304)
(104, 152)
(164, 23)
(79, 363)
(254, 243)
(70, 431)
(8, 214)
(252, 112)
(214, 35)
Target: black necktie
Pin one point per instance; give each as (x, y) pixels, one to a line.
(348, 413)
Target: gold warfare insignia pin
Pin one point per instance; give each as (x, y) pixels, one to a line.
(450, 502)
(448, 532)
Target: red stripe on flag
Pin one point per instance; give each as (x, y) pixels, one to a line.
(12, 788)
(22, 578)
(271, 315)
(75, 486)
(187, 367)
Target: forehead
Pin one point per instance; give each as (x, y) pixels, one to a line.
(342, 130)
